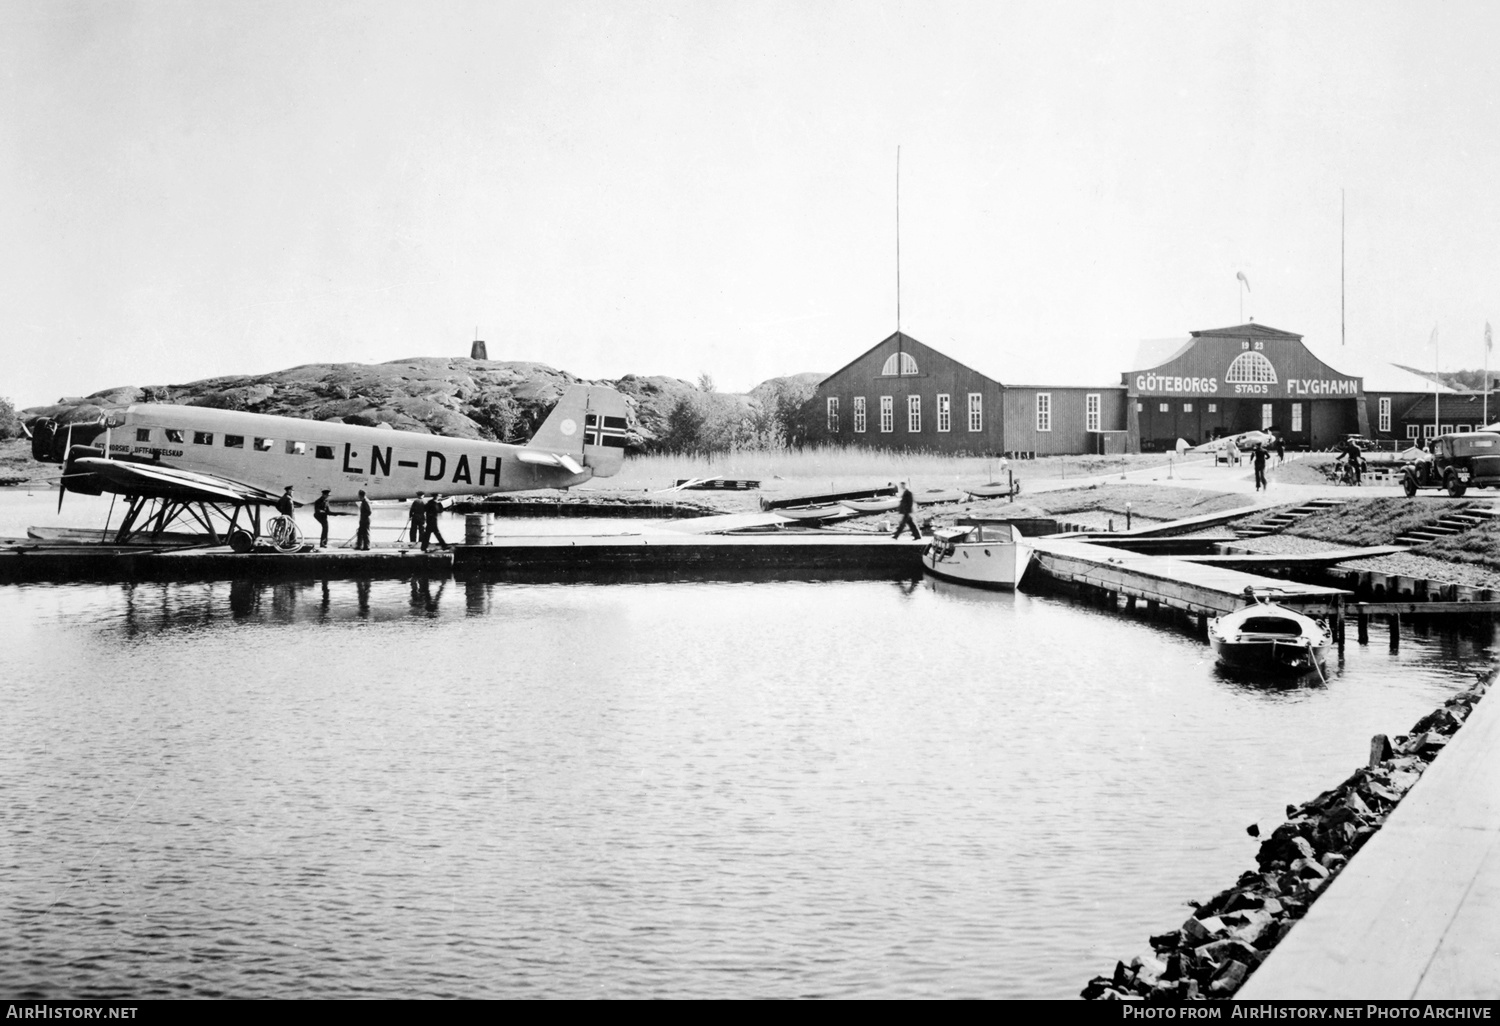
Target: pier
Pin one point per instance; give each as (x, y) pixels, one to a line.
(1413, 915)
(1190, 584)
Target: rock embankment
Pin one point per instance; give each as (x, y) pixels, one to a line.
(1227, 937)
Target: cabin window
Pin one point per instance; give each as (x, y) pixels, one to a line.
(945, 412)
(296, 448)
(203, 438)
(1044, 411)
(976, 411)
(1187, 407)
(264, 444)
(1412, 431)
(899, 363)
(1385, 413)
(1297, 418)
(143, 434)
(913, 413)
(174, 435)
(859, 414)
(1266, 418)
(324, 452)
(234, 441)
(833, 415)
(887, 414)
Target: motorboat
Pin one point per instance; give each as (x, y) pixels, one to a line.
(986, 555)
(1268, 637)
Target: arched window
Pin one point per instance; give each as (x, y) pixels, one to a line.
(1251, 369)
(899, 363)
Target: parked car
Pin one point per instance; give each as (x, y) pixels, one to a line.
(1455, 463)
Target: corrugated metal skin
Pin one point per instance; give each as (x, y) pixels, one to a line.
(936, 374)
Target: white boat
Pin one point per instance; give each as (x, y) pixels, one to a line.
(1270, 638)
(935, 495)
(829, 511)
(878, 504)
(993, 490)
(986, 555)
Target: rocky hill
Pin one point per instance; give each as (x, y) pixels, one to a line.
(458, 397)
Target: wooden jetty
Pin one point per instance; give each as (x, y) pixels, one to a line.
(1175, 582)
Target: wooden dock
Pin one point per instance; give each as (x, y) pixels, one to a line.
(1177, 582)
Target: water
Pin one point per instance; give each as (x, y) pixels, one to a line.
(444, 789)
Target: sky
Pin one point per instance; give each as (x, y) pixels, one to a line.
(195, 189)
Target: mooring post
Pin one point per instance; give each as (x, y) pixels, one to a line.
(1395, 632)
(1362, 627)
(1202, 625)
(1130, 603)
(1152, 606)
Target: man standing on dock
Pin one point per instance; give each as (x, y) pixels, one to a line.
(320, 514)
(1258, 457)
(418, 516)
(285, 505)
(905, 510)
(430, 523)
(362, 536)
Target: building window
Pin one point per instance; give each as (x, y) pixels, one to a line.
(143, 434)
(296, 448)
(1044, 411)
(1213, 407)
(1187, 407)
(833, 415)
(1139, 407)
(234, 441)
(1429, 430)
(887, 414)
(976, 411)
(945, 412)
(1411, 431)
(264, 444)
(1265, 412)
(1296, 416)
(1091, 412)
(203, 438)
(899, 363)
(859, 414)
(1464, 429)
(914, 413)
(1250, 369)
(1164, 407)
(1385, 414)
(1447, 429)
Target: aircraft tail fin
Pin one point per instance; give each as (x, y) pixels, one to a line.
(589, 421)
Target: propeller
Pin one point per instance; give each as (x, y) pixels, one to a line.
(62, 487)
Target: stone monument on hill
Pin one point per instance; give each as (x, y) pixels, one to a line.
(477, 350)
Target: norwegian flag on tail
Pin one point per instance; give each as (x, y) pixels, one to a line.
(610, 433)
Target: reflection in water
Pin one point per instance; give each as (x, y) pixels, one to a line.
(371, 788)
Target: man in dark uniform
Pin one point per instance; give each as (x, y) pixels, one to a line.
(285, 505)
(905, 510)
(1355, 456)
(430, 523)
(418, 516)
(320, 514)
(1258, 457)
(362, 536)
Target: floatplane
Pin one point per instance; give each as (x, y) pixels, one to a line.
(195, 465)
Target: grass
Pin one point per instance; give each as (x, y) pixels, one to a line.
(1372, 521)
(1152, 502)
(1481, 547)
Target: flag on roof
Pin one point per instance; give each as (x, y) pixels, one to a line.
(1241, 276)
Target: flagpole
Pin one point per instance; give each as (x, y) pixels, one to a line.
(1436, 383)
(1488, 342)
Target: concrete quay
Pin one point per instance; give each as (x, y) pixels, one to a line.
(1416, 913)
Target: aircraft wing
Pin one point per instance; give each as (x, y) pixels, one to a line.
(550, 459)
(146, 479)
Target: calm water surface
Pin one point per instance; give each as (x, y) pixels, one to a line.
(486, 790)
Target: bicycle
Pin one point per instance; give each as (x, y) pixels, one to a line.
(284, 534)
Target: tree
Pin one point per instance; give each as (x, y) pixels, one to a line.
(10, 424)
(683, 430)
(500, 417)
(705, 382)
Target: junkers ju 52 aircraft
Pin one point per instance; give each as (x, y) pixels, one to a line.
(172, 463)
